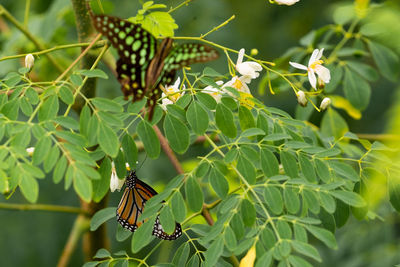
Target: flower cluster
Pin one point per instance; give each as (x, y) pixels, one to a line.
(249, 70)
(314, 68)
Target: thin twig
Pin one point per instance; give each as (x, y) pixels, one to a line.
(81, 225)
(44, 207)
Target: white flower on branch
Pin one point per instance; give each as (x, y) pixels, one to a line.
(115, 182)
(29, 61)
(315, 67)
(286, 2)
(173, 94)
(325, 103)
(301, 98)
(248, 69)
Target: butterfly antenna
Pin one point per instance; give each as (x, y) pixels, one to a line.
(142, 163)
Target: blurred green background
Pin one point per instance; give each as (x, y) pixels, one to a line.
(36, 238)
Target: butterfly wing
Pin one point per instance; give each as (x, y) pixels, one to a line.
(180, 56)
(136, 48)
(132, 204)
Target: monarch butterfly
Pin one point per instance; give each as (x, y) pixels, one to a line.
(132, 203)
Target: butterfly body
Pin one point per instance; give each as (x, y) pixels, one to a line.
(144, 64)
(132, 203)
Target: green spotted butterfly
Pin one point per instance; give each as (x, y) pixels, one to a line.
(144, 64)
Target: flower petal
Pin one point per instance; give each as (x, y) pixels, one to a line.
(312, 79)
(323, 73)
(320, 54)
(298, 66)
(240, 56)
(313, 57)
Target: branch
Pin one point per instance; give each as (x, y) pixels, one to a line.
(44, 207)
(81, 225)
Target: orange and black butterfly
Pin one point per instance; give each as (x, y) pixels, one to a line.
(132, 204)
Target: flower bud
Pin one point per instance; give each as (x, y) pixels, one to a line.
(254, 52)
(30, 151)
(29, 60)
(321, 83)
(301, 98)
(286, 2)
(325, 103)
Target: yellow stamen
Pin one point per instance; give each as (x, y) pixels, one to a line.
(315, 63)
(238, 84)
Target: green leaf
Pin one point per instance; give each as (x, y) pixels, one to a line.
(328, 202)
(273, 198)
(394, 191)
(356, 90)
(167, 219)
(32, 170)
(284, 248)
(94, 73)
(136, 106)
(224, 121)
(296, 261)
(59, 170)
(83, 186)
(366, 71)
(268, 238)
(51, 159)
(324, 235)
(130, 150)
(269, 163)
(264, 260)
(350, 198)
(214, 252)
(246, 169)
(84, 120)
(252, 132)
(207, 100)
(181, 255)
(211, 72)
(246, 119)
(230, 239)
(101, 217)
(284, 229)
(72, 138)
(149, 138)
(197, 118)
(248, 212)
(176, 133)
(342, 213)
(218, 183)
(108, 140)
(25, 106)
(159, 23)
(67, 122)
(102, 253)
(386, 60)
(41, 150)
(142, 235)
(49, 109)
(300, 233)
(292, 201)
(194, 195)
(11, 109)
(29, 187)
(344, 170)
(178, 207)
(101, 187)
(106, 104)
(32, 95)
(66, 95)
(289, 164)
(202, 169)
(312, 201)
(306, 249)
(110, 119)
(336, 78)
(333, 124)
(76, 79)
(307, 168)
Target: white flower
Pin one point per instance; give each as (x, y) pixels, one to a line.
(314, 66)
(214, 92)
(301, 98)
(239, 83)
(173, 94)
(115, 182)
(286, 2)
(29, 60)
(30, 150)
(325, 103)
(249, 69)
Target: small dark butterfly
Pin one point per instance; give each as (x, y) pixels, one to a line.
(132, 203)
(144, 64)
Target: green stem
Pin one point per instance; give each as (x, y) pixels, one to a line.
(35, 41)
(44, 207)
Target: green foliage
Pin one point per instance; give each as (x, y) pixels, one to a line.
(262, 179)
